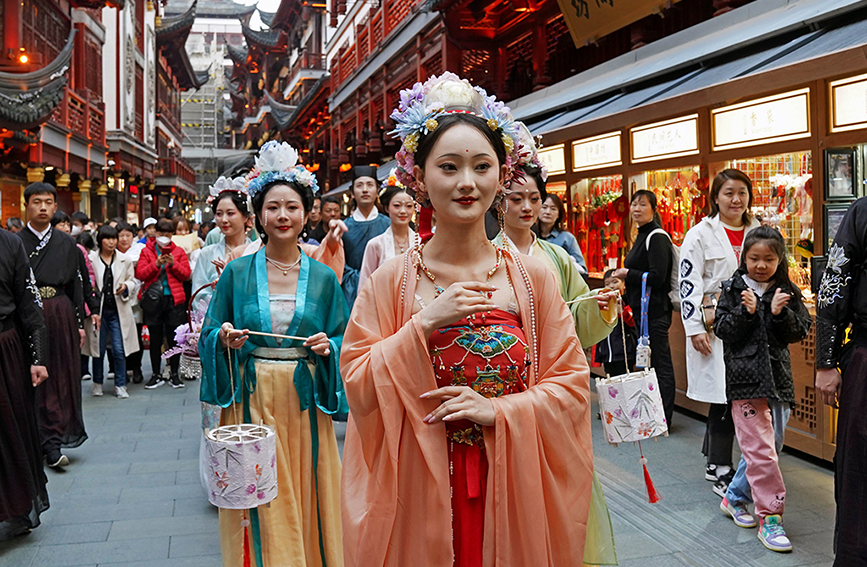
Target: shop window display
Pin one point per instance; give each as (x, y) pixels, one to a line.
(681, 196)
(783, 199)
(598, 211)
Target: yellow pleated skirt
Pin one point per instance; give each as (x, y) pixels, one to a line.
(288, 525)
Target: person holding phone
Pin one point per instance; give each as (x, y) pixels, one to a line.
(164, 265)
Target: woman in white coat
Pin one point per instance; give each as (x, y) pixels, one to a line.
(710, 254)
(116, 286)
(399, 205)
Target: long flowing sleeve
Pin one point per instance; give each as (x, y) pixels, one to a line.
(334, 258)
(835, 304)
(540, 449)
(396, 505)
(591, 323)
(216, 387)
(373, 257)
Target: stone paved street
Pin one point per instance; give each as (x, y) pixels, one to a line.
(131, 497)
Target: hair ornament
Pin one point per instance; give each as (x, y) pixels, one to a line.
(390, 181)
(421, 106)
(223, 184)
(278, 162)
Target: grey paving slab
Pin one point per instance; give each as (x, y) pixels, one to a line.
(132, 497)
(194, 545)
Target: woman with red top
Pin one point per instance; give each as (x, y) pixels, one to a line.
(163, 260)
(709, 255)
(468, 440)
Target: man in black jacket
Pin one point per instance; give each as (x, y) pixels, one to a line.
(842, 301)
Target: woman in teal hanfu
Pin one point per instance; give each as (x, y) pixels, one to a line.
(291, 385)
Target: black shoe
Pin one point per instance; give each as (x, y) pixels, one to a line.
(710, 473)
(176, 382)
(155, 382)
(55, 459)
(137, 377)
(721, 486)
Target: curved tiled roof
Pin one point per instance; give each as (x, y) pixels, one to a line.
(212, 9)
(238, 54)
(265, 38)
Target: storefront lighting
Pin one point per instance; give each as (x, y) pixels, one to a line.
(344, 167)
(346, 197)
(49, 168)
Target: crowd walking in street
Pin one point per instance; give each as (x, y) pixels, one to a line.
(459, 363)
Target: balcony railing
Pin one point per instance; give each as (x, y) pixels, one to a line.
(81, 116)
(175, 167)
(370, 35)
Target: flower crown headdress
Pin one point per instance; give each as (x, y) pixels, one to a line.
(223, 184)
(421, 106)
(278, 162)
(390, 181)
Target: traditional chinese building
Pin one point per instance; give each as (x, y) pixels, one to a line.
(129, 80)
(204, 118)
(52, 112)
(175, 180)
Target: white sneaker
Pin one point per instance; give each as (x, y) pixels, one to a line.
(96, 389)
(86, 377)
(110, 375)
(121, 392)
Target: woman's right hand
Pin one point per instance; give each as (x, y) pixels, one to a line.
(459, 300)
(230, 337)
(701, 343)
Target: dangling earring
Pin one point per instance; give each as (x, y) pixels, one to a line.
(501, 220)
(265, 219)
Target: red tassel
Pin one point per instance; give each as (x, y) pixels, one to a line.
(247, 558)
(425, 223)
(652, 494)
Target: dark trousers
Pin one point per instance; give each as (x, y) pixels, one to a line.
(719, 436)
(617, 368)
(660, 360)
(850, 461)
(162, 327)
(133, 361)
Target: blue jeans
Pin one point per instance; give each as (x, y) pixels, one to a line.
(739, 490)
(110, 325)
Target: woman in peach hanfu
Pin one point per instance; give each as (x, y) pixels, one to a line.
(468, 441)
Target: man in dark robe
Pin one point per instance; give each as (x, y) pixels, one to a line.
(364, 224)
(840, 305)
(59, 269)
(23, 351)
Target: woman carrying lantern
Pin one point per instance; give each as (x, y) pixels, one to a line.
(291, 385)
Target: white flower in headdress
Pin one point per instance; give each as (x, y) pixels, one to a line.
(276, 156)
(222, 184)
(303, 176)
(449, 91)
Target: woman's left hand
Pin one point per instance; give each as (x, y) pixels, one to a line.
(318, 343)
(780, 300)
(460, 402)
(621, 273)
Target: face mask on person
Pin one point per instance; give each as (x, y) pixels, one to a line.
(76, 230)
(163, 241)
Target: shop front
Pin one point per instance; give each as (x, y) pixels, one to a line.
(797, 130)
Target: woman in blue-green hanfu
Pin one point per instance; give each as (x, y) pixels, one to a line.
(291, 385)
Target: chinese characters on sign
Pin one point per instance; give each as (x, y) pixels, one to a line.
(589, 20)
(554, 159)
(771, 119)
(849, 104)
(582, 7)
(596, 152)
(672, 138)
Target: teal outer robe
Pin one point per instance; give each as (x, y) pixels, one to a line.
(242, 298)
(354, 242)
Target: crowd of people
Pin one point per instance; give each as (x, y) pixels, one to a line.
(453, 347)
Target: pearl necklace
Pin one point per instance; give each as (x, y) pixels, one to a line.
(283, 267)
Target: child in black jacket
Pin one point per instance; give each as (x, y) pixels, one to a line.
(760, 312)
